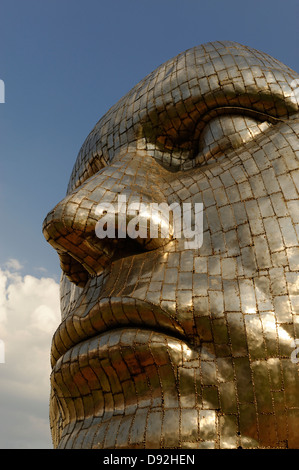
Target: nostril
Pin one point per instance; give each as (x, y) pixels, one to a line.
(81, 252)
(72, 226)
(73, 270)
(78, 272)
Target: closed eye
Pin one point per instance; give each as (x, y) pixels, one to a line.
(218, 131)
(226, 132)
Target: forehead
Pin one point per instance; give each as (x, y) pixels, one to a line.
(168, 104)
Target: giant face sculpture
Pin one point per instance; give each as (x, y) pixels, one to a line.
(163, 346)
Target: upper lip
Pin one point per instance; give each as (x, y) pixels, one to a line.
(76, 328)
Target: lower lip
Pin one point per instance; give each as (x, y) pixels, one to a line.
(106, 363)
(123, 312)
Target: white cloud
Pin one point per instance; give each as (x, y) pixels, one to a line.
(41, 269)
(29, 315)
(13, 264)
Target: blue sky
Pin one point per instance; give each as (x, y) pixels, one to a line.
(64, 64)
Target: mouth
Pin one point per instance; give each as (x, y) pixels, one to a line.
(108, 315)
(112, 354)
(117, 372)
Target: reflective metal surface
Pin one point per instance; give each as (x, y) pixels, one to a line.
(166, 347)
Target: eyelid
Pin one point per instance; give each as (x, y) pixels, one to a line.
(176, 147)
(226, 129)
(227, 132)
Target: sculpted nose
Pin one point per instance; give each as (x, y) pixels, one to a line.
(71, 226)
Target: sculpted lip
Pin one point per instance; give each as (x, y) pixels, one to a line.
(119, 371)
(109, 314)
